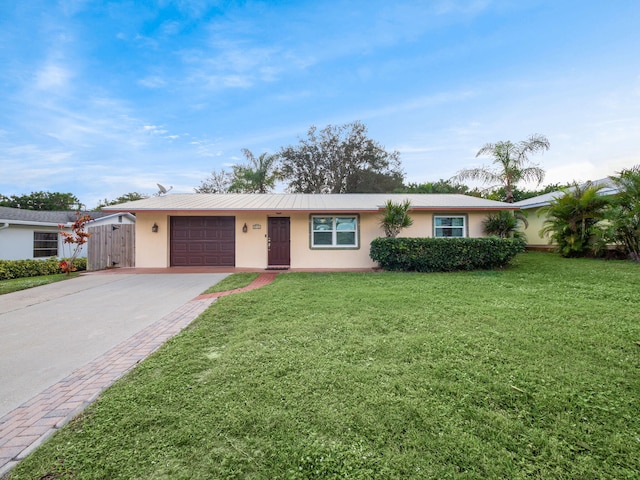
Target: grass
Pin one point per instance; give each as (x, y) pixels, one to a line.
(16, 284)
(528, 372)
(237, 280)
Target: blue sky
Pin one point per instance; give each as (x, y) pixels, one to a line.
(105, 98)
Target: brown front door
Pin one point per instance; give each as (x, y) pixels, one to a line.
(279, 242)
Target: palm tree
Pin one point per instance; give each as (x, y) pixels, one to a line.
(572, 220)
(511, 160)
(395, 217)
(259, 176)
(503, 224)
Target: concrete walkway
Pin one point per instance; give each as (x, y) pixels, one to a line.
(31, 422)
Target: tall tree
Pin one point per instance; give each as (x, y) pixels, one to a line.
(258, 176)
(50, 201)
(218, 182)
(340, 159)
(511, 162)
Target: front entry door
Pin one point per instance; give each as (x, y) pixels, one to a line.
(278, 242)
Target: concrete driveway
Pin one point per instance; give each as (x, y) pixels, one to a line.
(48, 332)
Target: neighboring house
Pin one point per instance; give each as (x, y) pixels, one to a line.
(531, 206)
(313, 231)
(28, 234)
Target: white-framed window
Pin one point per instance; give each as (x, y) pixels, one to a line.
(45, 244)
(447, 226)
(334, 231)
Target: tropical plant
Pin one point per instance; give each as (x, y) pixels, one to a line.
(258, 176)
(395, 217)
(623, 215)
(503, 224)
(573, 220)
(511, 160)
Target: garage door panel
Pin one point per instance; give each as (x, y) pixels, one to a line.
(202, 241)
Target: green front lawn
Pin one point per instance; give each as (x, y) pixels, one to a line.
(530, 372)
(16, 284)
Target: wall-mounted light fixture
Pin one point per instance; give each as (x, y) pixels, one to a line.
(245, 228)
(154, 229)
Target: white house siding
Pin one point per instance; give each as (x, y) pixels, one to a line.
(16, 240)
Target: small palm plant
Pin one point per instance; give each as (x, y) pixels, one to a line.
(503, 224)
(573, 220)
(395, 217)
(623, 215)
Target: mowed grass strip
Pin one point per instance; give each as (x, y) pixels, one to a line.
(237, 280)
(529, 372)
(17, 284)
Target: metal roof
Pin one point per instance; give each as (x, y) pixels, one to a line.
(607, 187)
(272, 202)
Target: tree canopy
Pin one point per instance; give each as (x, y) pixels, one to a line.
(340, 159)
(127, 197)
(441, 186)
(511, 162)
(50, 201)
(218, 182)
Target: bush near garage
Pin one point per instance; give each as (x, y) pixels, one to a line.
(444, 254)
(10, 269)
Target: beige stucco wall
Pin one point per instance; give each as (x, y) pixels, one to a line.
(532, 232)
(152, 249)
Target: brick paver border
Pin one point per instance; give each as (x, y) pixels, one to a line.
(28, 426)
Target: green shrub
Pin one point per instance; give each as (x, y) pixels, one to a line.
(444, 254)
(33, 268)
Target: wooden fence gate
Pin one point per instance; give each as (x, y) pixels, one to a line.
(111, 246)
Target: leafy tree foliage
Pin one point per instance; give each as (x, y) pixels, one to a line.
(511, 162)
(572, 220)
(218, 182)
(441, 186)
(258, 176)
(340, 159)
(623, 215)
(50, 201)
(395, 217)
(500, 194)
(127, 197)
(75, 240)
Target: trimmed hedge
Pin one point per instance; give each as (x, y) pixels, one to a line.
(444, 254)
(32, 268)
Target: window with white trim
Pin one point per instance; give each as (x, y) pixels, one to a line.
(334, 231)
(447, 226)
(45, 244)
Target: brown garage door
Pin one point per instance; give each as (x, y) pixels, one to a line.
(203, 241)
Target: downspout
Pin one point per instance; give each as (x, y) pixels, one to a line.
(4, 225)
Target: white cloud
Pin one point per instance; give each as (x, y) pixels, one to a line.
(53, 77)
